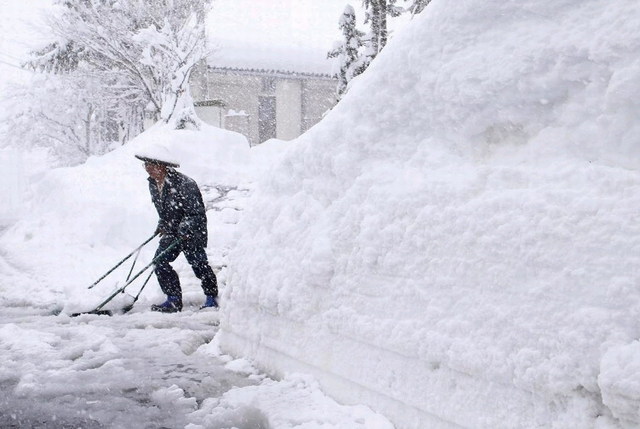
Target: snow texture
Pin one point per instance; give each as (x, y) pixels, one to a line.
(455, 245)
(458, 242)
(140, 369)
(158, 152)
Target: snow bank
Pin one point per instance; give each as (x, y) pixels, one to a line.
(294, 402)
(81, 220)
(17, 168)
(458, 242)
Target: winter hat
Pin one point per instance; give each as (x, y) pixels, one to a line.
(157, 154)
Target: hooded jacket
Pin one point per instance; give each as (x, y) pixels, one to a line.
(180, 207)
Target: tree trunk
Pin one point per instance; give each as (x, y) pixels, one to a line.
(383, 24)
(87, 130)
(177, 106)
(375, 27)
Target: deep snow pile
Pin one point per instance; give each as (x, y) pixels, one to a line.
(458, 242)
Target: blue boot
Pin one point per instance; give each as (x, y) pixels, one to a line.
(173, 304)
(210, 302)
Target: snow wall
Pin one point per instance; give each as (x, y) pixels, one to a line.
(458, 242)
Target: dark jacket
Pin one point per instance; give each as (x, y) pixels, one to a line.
(180, 207)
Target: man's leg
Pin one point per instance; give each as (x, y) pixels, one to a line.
(197, 258)
(167, 277)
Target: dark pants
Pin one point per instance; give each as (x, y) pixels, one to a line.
(197, 258)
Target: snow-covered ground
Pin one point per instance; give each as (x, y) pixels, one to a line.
(139, 369)
(147, 370)
(457, 244)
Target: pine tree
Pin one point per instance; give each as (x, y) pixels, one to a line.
(376, 14)
(347, 51)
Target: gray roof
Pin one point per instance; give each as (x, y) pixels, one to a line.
(293, 59)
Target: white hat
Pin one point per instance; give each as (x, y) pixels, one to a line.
(157, 154)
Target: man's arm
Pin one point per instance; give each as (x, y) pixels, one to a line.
(194, 210)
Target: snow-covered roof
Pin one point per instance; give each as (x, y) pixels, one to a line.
(272, 72)
(240, 55)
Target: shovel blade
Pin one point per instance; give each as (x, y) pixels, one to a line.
(97, 312)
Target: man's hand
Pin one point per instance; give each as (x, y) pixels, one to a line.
(160, 230)
(184, 232)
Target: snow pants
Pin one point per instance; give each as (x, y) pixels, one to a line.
(197, 258)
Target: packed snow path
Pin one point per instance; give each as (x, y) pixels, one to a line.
(135, 370)
(144, 369)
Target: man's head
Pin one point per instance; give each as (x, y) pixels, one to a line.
(157, 161)
(156, 170)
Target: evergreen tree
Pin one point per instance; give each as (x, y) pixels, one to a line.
(417, 6)
(347, 51)
(376, 12)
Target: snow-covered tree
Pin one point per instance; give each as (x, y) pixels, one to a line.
(59, 113)
(417, 6)
(347, 51)
(376, 12)
(144, 50)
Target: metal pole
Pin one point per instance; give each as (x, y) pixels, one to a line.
(99, 307)
(123, 261)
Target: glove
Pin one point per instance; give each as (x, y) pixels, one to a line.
(184, 232)
(161, 229)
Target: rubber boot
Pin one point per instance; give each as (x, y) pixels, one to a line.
(210, 302)
(173, 304)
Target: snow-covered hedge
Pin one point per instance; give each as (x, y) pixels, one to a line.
(458, 242)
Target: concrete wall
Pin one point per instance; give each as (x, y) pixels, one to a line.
(239, 93)
(301, 100)
(212, 115)
(288, 108)
(319, 96)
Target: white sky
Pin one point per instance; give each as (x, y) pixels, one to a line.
(290, 35)
(311, 23)
(18, 32)
(285, 34)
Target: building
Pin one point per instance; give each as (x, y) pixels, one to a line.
(267, 74)
(262, 103)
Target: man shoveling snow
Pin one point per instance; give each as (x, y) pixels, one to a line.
(182, 217)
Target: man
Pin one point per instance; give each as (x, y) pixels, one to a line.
(182, 216)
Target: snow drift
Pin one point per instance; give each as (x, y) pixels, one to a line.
(458, 242)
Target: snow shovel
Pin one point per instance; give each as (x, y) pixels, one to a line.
(129, 307)
(99, 311)
(137, 249)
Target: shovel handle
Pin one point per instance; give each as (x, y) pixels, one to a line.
(123, 261)
(171, 246)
